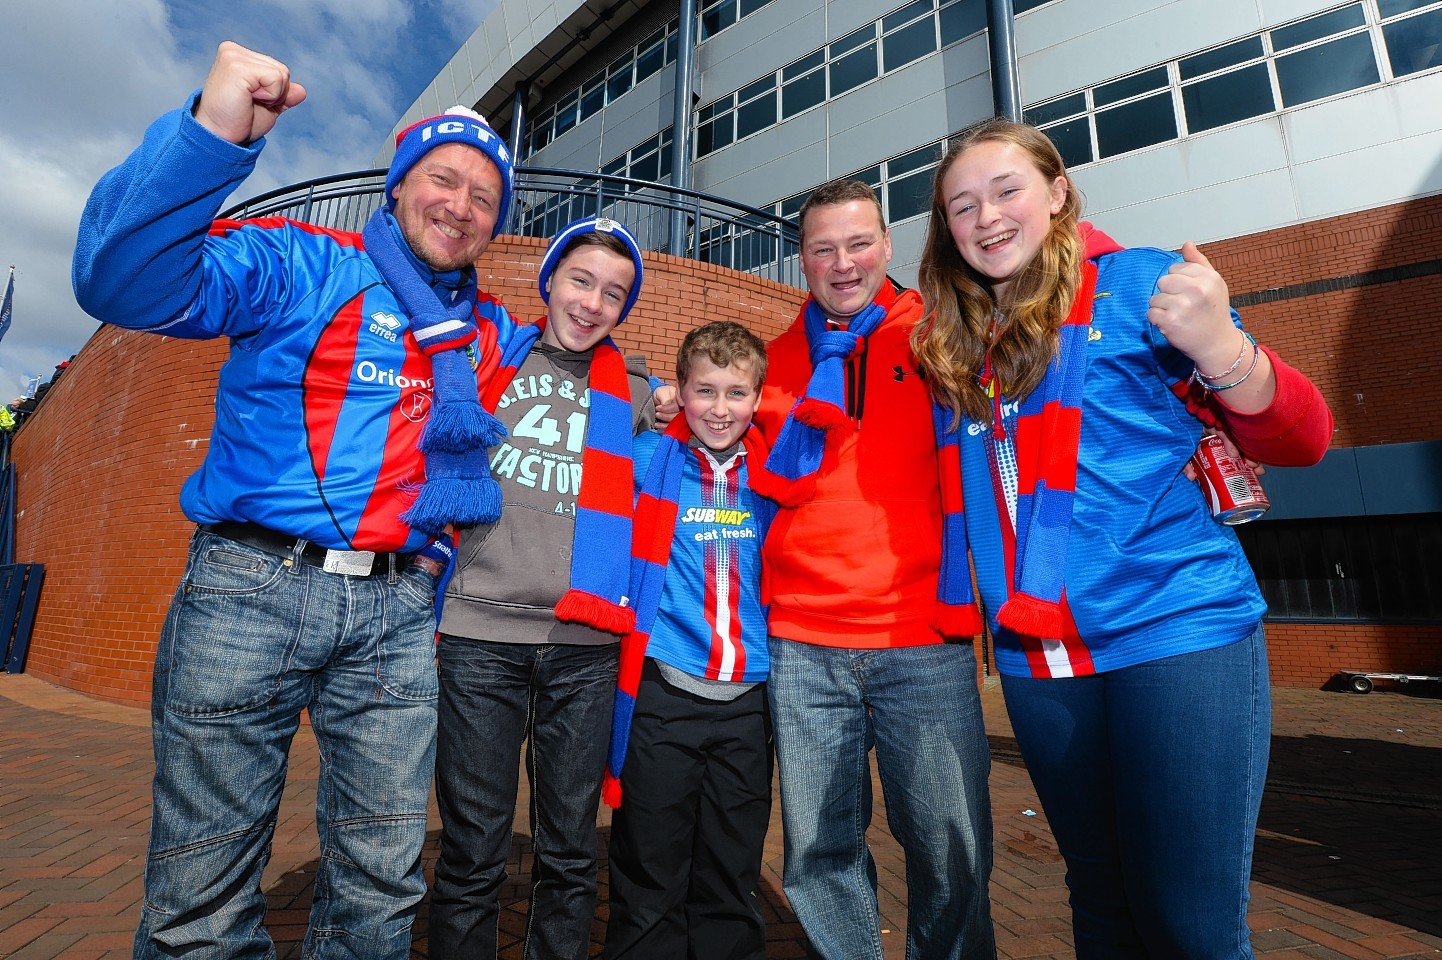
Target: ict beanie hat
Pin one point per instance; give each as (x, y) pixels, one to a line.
(456, 125)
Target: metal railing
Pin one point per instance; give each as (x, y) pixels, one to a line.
(663, 218)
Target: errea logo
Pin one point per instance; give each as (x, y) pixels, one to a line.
(385, 325)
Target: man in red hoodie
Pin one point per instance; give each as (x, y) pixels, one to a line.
(851, 569)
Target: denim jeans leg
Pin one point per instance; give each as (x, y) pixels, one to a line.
(1060, 727)
(1186, 742)
(565, 758)
(484, 715)
(226, 704)
(933, 759)
(374, 716)
(822, 742)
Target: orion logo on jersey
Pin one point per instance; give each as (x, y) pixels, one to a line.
(414, 402)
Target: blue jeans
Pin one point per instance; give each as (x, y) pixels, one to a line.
(1151, 777)
(920, 708)
(557, 699)
(250, 641)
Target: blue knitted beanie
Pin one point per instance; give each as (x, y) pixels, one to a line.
(456, 125)
(557, 249)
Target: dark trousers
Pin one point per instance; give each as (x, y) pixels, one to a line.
(557, 699)
(686, 840)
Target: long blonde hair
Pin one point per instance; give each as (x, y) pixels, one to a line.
(952, 340)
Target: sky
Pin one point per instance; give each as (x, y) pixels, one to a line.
(81, 79)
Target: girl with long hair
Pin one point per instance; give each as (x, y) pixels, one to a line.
(1073, 382)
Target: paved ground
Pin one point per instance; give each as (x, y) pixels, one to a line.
(1348, 863)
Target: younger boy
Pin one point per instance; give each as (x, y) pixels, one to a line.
(690, 744)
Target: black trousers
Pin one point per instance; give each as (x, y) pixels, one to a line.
(686, 841)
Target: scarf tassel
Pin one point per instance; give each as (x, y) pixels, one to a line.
(821, 415)
(578, 606)
(456, 426)
(463, 501)
(621, 714)
(781, 490)
(1031, 616)
(611, 790)
(956, 619)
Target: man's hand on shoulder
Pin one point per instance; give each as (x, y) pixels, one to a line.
(244, 94)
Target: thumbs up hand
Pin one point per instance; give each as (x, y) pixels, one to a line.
(1191, 307)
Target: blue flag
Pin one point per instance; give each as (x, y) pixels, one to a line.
(5, 304)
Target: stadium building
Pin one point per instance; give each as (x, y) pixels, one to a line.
(1298, 141)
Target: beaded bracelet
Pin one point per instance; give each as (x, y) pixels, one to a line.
(1204, 383)
(1210, 378)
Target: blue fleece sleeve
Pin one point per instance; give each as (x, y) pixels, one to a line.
(141, 255)
(643, 448)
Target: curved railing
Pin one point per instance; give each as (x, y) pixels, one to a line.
(663, 218)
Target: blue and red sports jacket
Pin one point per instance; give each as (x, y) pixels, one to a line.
(710, 622)
(1149, 574)
(321, 403)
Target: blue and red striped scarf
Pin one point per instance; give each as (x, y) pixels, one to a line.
(657, 503)
(458, 489)
(598, 595)
(789, 475)
(1047, 438)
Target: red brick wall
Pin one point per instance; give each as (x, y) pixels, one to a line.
(1308, 654)
(1372, 350)
(100, 464)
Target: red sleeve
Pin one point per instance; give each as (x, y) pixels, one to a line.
(1293, 431)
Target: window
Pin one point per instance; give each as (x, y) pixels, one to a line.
(1073, 140)
(1227, 98)
(1378, 568)
(1229, 55)
(715, 127)
(593, 96)
(717, 15)
(853, 60)
(1327, 69)
(756, 116)
(1318, 27)
(566, 114)
(908, 183)
(652, 56)
(1127, 87)
(1320, 56)
(648, 160)
(961, 19)
(803, 84)
(905, 38)
(619, 78)
(1134, 125)
(637, 64)
(1413, 43)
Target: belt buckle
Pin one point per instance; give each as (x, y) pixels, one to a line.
(349, 563)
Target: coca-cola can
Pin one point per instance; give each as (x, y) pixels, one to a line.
(1230, 484)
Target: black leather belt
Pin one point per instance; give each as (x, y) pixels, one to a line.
(283, 545)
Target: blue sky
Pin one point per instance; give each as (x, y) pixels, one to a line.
(81, 80)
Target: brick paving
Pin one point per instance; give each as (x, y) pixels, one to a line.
(1348, 862)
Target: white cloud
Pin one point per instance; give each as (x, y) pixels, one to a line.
(83, 79)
